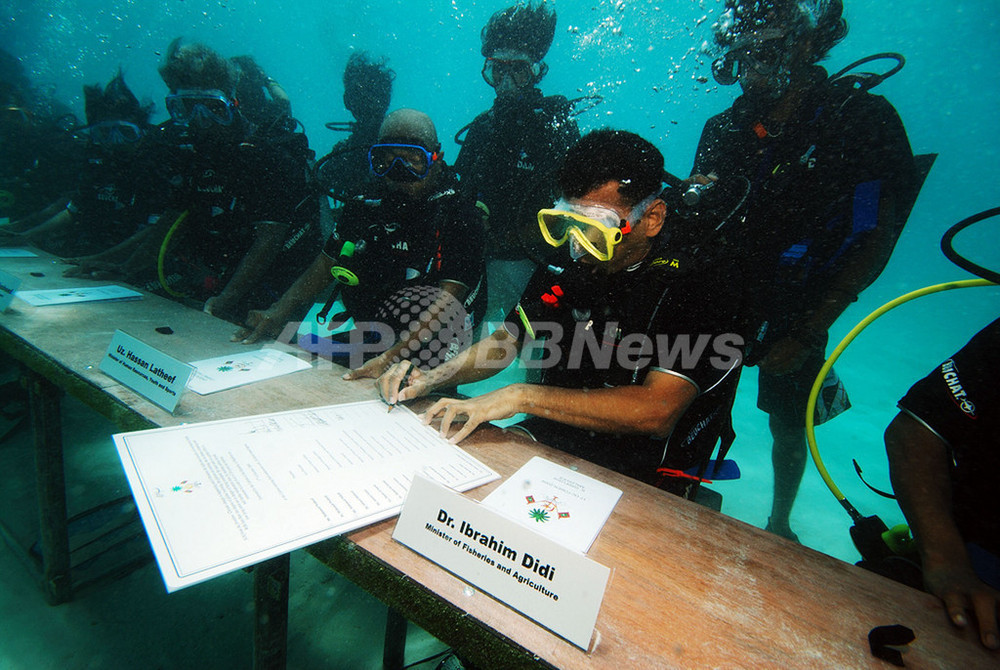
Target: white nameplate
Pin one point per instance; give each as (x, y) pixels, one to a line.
(8, 285)
(556, 587)
(147, 371)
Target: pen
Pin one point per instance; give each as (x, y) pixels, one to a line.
(402, 384)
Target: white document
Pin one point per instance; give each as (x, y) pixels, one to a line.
(11, 252)
(559, 503)
(226, 372)
(66, 296)
(218, 496)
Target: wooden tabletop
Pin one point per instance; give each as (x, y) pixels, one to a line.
(690, 588)
(68, 342)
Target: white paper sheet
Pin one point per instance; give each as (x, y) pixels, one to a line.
(562, 504)
(66, 296)
(222, 495)
(13, 252)
(226, 372)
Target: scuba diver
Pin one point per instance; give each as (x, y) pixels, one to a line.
(832, 180)
(343, 173)
(262, 100)
(512, 151)
(40, 157)
(110, 204)
(240, 222)
(413, 242)
(614, 389)
(943, 462)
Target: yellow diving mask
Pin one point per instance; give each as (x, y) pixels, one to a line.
(591, 229)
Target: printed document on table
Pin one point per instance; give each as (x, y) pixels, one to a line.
(66, 296)
(557, 502)
(226, 372)
(13, 252)
(218, 496)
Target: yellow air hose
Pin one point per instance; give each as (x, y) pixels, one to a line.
(163, 252)
(814, 394)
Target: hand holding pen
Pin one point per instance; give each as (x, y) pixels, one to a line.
(396, 380)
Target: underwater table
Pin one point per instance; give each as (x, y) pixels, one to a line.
(689, 587)
(60, 348)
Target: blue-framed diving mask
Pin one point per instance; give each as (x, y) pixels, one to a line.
(401, 162)
(204, 107)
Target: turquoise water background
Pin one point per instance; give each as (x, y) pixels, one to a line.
(643, 57)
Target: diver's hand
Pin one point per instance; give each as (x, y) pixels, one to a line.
(260, 325)
(373, 369)
(219, 305)
(493, 406)
(402, 381)
(702, 178)
(88, 269)
(786, 356)
(963, 593)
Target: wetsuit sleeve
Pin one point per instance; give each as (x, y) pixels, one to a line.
(879, 170)
(959, 400)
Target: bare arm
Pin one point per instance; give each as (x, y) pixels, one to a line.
(269, 323)
(485, 358)
(650, 409)
(918, 466)
(268, 236)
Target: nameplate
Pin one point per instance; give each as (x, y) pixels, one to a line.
(8, 285)
(147, 371)
(556, 587)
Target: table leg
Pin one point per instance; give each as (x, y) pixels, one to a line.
(46, 425)
(270, 595)
(394, 651)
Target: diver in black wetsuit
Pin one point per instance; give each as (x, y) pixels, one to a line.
(110, 204)
(343, 173)
(638, 407)
(943, 459)
(262, 99)
(414, 235)
(512, 151)
(832, 179)
(40, 156)
(240, 222)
